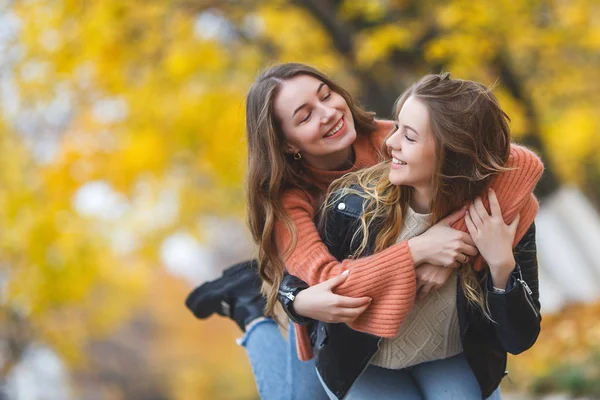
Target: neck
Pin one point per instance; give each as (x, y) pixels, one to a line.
(420, 200)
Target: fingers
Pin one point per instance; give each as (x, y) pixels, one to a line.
(469, 250)
(470, 224)
(452, 218)
(478, 203)
(475, 218)
(336, 280)
(494, 204)
(460, 256)
(352, 302)
(466, 237)
(421, 294)
(348, 315)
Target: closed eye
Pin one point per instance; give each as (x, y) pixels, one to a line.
(306, 118)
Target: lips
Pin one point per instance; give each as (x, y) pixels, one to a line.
(397, 161)
(338, 128)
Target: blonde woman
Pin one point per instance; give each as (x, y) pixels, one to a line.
(451, 144)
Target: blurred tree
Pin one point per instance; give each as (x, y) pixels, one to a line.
(161, 352)
(204, 358)
(179, 71)
(567, 349)
(58, 279)
(143, 101)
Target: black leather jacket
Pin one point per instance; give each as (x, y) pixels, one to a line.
(342, 354)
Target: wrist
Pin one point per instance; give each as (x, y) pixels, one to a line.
(292, 307)
(415, 245)
(296, 305)
(500, 273)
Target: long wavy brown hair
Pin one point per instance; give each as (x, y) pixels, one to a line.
(271, 171)
(472, 143)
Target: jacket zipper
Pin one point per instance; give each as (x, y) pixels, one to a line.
(528, 293)
(287, 294)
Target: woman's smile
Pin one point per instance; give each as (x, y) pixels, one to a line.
(321, 125)
(338, 130)
(397, 163)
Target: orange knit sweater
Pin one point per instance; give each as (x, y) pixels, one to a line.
(388, 277)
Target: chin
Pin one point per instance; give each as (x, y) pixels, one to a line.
(395, 180)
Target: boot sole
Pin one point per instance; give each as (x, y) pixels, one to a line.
(207, 298)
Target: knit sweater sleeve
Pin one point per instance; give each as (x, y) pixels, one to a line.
(387, 277)
(514, 189)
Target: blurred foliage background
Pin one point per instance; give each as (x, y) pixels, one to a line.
(122, 148)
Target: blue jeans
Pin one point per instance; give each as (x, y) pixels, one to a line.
(278, 373)
(447, 379)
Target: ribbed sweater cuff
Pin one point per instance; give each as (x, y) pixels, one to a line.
(303, 346)
(393, 280)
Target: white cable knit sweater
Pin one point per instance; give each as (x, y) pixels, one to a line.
(431, 330)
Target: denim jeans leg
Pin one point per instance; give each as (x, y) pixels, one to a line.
(267, 353)
(451, 378)
(384, 384)
(496, 395)
(302, 375)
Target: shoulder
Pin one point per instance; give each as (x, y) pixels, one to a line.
(341, 230)
(294, 195)
(346, 204)
(522, 157)
(527, 242)
(298, 199)
(384, 125)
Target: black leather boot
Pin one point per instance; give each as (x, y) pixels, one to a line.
(236, 294)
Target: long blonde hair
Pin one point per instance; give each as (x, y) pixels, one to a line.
(472, 143)
(271, 171)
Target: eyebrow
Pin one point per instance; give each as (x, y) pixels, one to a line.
(304, 105)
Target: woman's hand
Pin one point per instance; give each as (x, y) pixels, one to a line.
(493, 237)
(321, 303)
(430, 277)
(443, 245)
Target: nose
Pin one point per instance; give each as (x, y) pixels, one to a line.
(394, 141)
(328, 114)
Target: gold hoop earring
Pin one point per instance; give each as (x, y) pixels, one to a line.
(297, 156)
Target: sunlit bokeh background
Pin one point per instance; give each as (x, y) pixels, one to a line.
(122, 159)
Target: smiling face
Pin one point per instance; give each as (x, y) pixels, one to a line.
(316, 121)
(412, 147)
